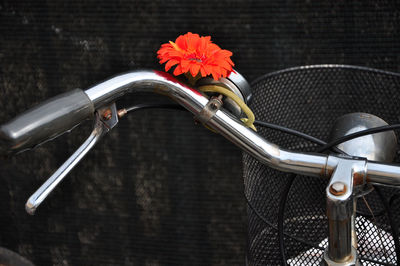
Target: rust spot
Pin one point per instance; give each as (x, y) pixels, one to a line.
(107, 114)
(323, 172)
(358, 179)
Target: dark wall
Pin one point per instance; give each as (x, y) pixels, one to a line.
(158, 190)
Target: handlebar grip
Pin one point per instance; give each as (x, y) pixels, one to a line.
(45, 121)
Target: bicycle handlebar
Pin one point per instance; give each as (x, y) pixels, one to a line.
(227, 125)
(61, 113)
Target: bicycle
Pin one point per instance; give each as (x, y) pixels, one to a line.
(346, 171)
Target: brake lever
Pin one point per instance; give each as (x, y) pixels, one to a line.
(105, 119)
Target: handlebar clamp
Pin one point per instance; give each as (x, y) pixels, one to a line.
(209, 110)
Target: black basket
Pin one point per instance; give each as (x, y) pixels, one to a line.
(286, 213)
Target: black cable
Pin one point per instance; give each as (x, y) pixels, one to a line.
(330, 145)
(358, 134)
(296, 133)
(289, 131)
(154, 105)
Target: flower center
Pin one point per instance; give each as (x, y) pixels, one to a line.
(194, 57)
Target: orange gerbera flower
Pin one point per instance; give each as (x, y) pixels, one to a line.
(192, 54)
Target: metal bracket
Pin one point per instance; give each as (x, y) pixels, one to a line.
(213, 105)
(340, 211)
(106, 119)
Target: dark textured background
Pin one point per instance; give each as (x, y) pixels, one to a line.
(158, 190)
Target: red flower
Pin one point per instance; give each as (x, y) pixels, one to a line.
(192, 54)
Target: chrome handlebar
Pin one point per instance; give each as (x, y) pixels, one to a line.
(311, 164)
(223, 122)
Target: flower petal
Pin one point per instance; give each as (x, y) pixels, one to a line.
(185, 65)
(171, 63)
(203, 71)
(178, 70)
(194, 69)
(181, 42)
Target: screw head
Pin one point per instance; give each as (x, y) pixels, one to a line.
(338, 188)
(107, 115)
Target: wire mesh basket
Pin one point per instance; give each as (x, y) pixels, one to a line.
(286, 213)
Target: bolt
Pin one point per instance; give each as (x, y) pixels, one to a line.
(215, 103)
(107, 114)
(338, 188)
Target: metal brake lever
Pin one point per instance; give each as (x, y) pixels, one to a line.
(106, 118)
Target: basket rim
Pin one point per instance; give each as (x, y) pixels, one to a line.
(324, 66)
